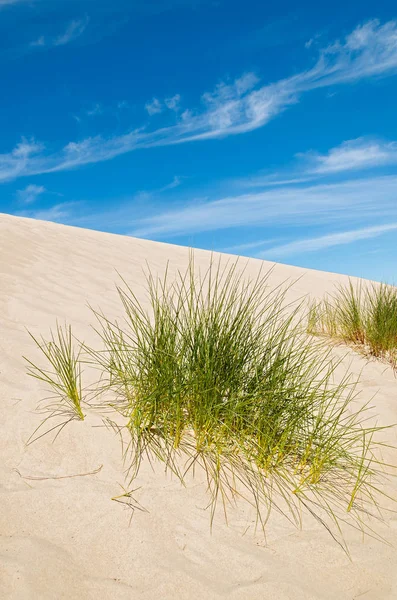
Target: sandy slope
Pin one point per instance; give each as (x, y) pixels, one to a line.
(65, 538)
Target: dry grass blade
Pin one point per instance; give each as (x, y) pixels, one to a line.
(37, 478)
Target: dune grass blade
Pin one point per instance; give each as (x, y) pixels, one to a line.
(63, 377)
(218, 375)
(366, 318)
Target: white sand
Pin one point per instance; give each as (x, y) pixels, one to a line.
(65, 538)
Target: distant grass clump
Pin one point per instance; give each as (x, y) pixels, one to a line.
(364, 316)
(218, 375)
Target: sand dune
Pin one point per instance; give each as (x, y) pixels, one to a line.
(65, 538)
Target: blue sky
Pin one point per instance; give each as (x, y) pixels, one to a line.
(267, 131)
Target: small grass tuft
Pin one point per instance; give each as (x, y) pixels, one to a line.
(63, 378)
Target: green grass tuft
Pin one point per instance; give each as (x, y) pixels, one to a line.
(63, 378)
(219, 374)
(363, 316)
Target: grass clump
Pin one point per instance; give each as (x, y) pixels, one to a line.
(363, 316)
(218, 375)
(63, 378)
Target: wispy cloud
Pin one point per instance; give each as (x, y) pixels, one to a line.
(30, 193)
(234, 108)
(150, 194)
(312, 41)
(250, 245)
(40, 42)
(327, 241)
(57, 213)
(176, 182)
(360, 153)
(274, 180)
(95, 111)
(73, 30)
(304, 205)
(154, 107)
(17, 162)
(352, 207)
(10, 2)
(173, 102)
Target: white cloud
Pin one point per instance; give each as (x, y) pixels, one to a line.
(274, 180)
(39, 42)
(250, 245)
(149, 194)
(327, 241)
(74, 30)
(352, 155)
(312, 40)
(26, 148)
(154, 107)
(157, 106)
(238, 107)
(355, 154)
(57, 213)
(173, 102)
(17, 162)
(176, 182)
(348, 201)
(95, 111)
(29, 194)
(353, 207)
(10, 2)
